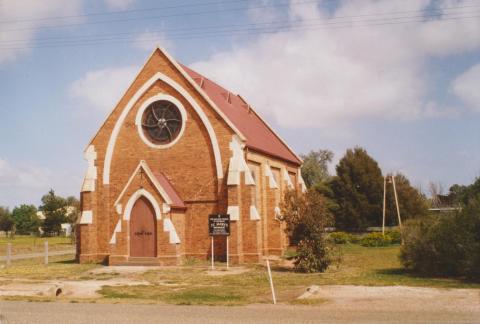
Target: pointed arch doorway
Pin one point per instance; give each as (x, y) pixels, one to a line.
(143, 229)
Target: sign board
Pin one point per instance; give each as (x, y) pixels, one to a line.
(219, 225)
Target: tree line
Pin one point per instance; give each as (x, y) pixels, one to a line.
(56, 210)
(355, 193)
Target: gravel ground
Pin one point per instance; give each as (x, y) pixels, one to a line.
(344, 304)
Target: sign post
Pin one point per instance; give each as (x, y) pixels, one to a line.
(218, 225)
(227, 252)
(213, 256)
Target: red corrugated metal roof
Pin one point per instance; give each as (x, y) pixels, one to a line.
(259, 136)
(177, 202)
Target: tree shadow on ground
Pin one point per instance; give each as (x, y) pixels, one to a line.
(394, 272)
(417, 275)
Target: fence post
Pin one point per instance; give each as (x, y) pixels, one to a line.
(46, 252)
(9, 253)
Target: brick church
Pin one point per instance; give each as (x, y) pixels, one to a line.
(176, 148)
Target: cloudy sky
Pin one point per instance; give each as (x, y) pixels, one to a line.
(398, 77)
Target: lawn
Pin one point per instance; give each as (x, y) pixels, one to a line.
(22, 244)
(193, 284)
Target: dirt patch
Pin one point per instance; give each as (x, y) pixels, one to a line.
(397, 297)
(77, 289)
(230, 271)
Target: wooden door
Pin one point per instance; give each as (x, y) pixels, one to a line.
(143, 229)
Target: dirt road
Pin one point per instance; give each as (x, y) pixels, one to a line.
(330, 312)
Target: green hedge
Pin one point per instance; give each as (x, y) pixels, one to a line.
(340, 237)
(375, 240)
(395, 235)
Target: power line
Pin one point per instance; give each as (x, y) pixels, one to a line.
(277, 24)
(176, 15)
(129, 11)
(233, 33)
(122, 12)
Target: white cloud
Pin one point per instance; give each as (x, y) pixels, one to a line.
(263, 11)
(323, 77)
(26, 176)
(26, 183)
(467, 87)
(147, 41)
(101, 89)
(22, 19)
(119, 4)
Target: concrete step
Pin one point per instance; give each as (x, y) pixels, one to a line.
(142, 261)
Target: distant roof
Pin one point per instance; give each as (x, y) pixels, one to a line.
(260, 137)
(177, 202)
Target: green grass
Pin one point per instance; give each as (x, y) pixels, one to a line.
(187, 296)
(24, 244)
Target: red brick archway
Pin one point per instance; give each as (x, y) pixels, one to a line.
(143, 229)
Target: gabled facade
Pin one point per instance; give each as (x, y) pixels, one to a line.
(175, 149)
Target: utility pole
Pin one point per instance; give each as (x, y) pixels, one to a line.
(390, 179)
(396, 203)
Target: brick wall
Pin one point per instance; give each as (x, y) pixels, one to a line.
(190, 167)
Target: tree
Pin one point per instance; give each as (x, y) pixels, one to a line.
(466, 194)
(6, 221)
(306, 216)
(73, 211)
(26, 219)
(436, 190)
(456, 193)
(411, 202)
(358, 191)
(315, 167)
(55, 211)
(73, 215)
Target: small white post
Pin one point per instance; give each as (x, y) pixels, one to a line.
(46, 253)
(213, 256)
(9, 253)
(271, 282)
(384, 202)
(227, 252)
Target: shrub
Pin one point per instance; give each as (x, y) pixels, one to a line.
(375, 240)
(444, 245)
(395, 235)
(306, 217)
(340, 237)
(312, 256)
(355, 238)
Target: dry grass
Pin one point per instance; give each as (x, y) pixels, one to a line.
(193, 284)
(59, 267)
(22, 244)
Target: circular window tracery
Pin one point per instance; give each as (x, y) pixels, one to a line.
(162, 122)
